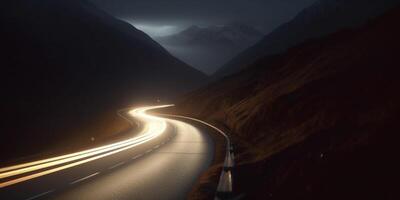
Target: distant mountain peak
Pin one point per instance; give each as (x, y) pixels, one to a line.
(208, 47)
(192, 29)
(236, 34)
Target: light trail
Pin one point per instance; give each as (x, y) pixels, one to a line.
(154, 127)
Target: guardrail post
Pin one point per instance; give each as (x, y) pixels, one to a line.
(225, 184)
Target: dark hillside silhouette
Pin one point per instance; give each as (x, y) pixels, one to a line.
(65, 64)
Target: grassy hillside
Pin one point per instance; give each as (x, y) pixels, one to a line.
(318, 122)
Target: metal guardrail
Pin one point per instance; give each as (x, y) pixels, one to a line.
(225, 184)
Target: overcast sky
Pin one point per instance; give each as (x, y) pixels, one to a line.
(163, 17)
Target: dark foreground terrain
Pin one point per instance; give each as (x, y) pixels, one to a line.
(317, 122)
(66, 67)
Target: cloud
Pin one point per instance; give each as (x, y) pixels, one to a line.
(155, 30)
(270, 13)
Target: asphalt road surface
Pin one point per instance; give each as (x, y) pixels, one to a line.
(161, 162)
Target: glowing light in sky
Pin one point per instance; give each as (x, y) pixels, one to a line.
(157, 30)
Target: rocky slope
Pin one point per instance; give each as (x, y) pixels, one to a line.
(318, 122)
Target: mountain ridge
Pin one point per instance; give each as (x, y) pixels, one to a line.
(321, 18)
(208, 47)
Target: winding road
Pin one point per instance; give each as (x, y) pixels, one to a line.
(163, 161)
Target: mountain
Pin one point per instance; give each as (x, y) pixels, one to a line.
(67, 66)
(207, 48)
(322, 18)
(319, 121)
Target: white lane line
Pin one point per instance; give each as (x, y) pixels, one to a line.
(156, 147)
(40, 195)
(116, 165)
(134, 157)
(84, 178)
(148, 151)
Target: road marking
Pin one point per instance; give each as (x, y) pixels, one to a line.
(40, 195)
(35, 169)
(134, 157)
(150, 150)
(116, 165)
(84, 178)
(156, 147)
(193, 153)
(194, 142)
(222, 179)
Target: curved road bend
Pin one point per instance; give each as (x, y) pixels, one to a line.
(161, 162)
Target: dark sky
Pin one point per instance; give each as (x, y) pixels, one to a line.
(162, 17)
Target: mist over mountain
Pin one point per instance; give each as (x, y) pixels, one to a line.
(322, 18)
(65, 64)
(207, 48)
